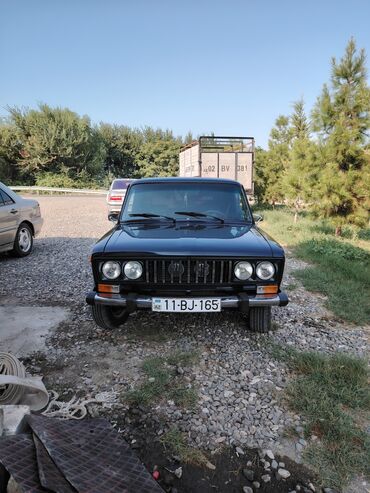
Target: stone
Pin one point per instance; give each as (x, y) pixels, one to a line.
(299, 447)
(247, 489)
(249, 474)
(256, 485)
(274, 464)
(270, 454)
(239, 451)
(209, 465)
(283, 473)
(266, 478)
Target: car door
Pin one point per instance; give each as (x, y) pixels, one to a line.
(9, 215)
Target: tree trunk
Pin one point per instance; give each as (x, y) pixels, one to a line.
(338, 231)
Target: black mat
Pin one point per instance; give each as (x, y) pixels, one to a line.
(18, 456)
(49, 474)
(70, 456)
(92, 456)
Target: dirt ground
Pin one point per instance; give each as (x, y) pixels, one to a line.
(77, 358)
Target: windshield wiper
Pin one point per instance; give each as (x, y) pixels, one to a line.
(149, 215)
(198, 214)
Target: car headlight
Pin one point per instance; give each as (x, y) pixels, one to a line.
(111, 270)
(243, 270)
(265, 270)
(133, 269)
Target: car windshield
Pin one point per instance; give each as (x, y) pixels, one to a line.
(187, 201)
(120, 184)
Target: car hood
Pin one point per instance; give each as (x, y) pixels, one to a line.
(188, 239)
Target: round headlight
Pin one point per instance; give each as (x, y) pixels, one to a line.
(111, 270)
(243, 270)
(265, 270)
(133, 269)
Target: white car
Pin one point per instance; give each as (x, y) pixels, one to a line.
(20, 221)
(116, 194)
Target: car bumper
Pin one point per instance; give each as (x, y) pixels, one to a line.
(133, 302)
(114, 207)
(37, 225)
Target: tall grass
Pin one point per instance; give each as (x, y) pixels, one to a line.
(333, 395)
(340, 267)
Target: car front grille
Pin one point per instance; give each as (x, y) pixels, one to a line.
(188, 271)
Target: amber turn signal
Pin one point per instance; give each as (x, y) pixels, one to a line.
(273, 289)
(108, 288)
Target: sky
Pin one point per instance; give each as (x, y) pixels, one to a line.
(228, 67)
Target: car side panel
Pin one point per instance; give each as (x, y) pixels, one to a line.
(8, 224)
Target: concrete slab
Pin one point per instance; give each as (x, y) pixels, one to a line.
(23, 328)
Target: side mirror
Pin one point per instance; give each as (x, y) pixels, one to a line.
(257, 218)
(113, 216)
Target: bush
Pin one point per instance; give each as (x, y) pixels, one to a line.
(63, 180)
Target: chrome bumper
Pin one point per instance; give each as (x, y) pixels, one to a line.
(134, 302)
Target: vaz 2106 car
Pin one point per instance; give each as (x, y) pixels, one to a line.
(186, 245)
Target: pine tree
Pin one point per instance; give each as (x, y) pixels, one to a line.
(277, 160)
(298, 172)
(342, 119)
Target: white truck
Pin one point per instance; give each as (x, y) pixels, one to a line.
(220, 157)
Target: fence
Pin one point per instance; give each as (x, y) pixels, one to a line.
(52, 190)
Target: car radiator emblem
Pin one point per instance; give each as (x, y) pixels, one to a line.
(176, 269)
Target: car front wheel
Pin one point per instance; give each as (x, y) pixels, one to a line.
(260, 319)
(109, 317)
(23, 242)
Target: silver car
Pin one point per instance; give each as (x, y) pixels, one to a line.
(116, 194)
(20, 221)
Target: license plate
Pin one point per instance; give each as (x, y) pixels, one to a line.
(186, 305)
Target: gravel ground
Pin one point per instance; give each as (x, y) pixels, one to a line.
(239, 385)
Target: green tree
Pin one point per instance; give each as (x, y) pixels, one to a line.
(57, 140)
(300, 168)
(122, 146)
(342, 119)
(260, 172)
(277, 160)
(159, 157)
(10, 148)
(189, 138)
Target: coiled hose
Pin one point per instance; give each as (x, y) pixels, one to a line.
(10, 365)
(16, 387)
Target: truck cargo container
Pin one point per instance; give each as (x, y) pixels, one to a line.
(219, 157)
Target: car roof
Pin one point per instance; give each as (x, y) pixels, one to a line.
(177, 179)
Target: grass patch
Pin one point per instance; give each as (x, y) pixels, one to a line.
(164, 382)
(342, 272)
(176, 443)
(341, 267)
(332, 393)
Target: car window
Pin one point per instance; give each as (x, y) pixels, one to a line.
(120, 184)
(5, 199)
(223, 200)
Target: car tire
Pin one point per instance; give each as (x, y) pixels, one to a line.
(109, 317)
(23, 242)
(260, 319)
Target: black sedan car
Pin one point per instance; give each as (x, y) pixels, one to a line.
(186, 245)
